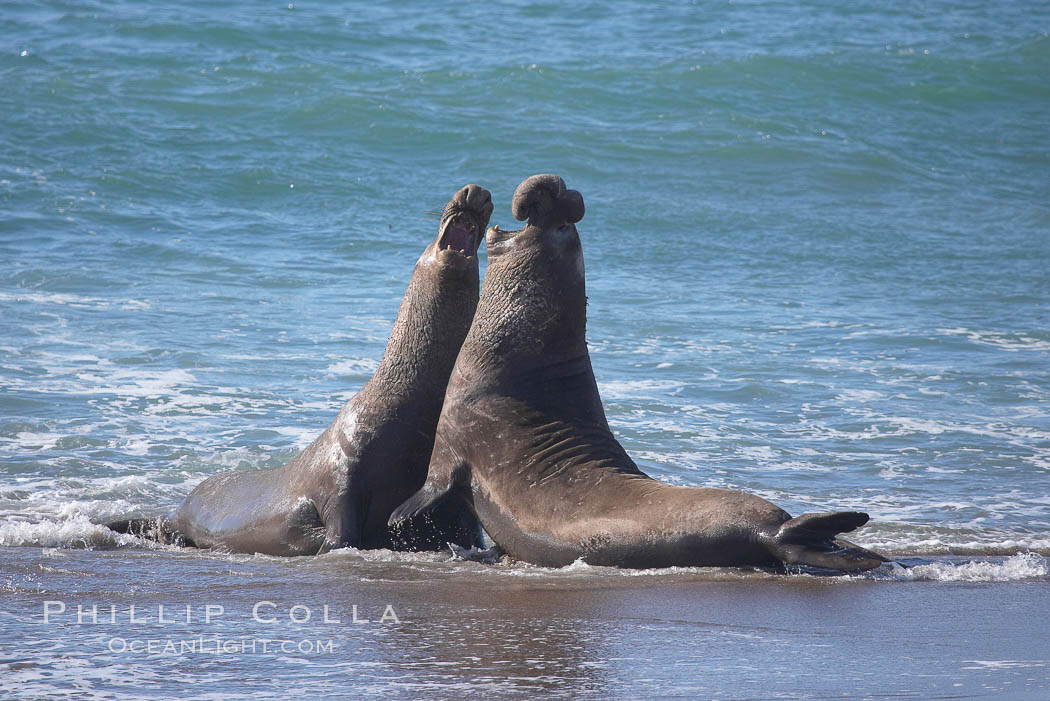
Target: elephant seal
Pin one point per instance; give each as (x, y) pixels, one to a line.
(524, 440)
(342, 488)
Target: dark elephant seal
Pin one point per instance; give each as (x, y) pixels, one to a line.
(523, 436)
(341, 490)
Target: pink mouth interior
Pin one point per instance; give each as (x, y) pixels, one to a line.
(459, 236)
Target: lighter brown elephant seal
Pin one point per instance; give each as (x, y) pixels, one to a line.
(524, 440)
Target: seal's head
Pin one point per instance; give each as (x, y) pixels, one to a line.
(534, 302)
(550, 211)
(545, 202)
(440, 302)
(462, 223)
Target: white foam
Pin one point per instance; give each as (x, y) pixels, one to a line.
(384, 555)
(889, 425)
(924, 527)
(759, 452)
(56, 298)
(1010, 342)
(302, 436)
(625, 389)
(136, 446)
(32, 440)
(916, 544)
(75, 532)
(982, 665)
(580, 569)
(1021, 566)
(577, 566)
(28, 505)
(353, 366)
(1018, 567)
(860, 395)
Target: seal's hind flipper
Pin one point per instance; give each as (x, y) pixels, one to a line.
(809, 540)
(836, 555)
(809, 527)
(154, 528)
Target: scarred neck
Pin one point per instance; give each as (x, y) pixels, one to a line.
(431, 324)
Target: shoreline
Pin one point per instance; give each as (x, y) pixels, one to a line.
(467, 629)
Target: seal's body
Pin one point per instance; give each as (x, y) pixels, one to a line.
(523, 436)
(341, 490)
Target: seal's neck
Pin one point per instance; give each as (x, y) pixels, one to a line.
(528, 339)
(431, 324)
(533, 312)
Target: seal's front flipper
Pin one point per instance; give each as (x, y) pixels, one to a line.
(422, 502)
(446, 472)
(342, 526)
(434, 518)
(442, 511)
(810, 540)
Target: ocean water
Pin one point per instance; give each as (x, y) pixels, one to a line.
(818, 262)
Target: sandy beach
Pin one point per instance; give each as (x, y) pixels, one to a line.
(438, 628)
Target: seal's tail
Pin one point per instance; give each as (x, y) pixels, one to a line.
(810, 540)
(154, 528)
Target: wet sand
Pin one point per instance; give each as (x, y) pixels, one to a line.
(468, 630)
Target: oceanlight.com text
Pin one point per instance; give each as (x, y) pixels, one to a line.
(220, 646)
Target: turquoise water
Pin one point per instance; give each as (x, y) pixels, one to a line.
(817, 242)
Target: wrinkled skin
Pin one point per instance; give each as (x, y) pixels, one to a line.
(523, 436)
(341, 490)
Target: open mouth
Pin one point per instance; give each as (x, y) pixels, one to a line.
(460, 234)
